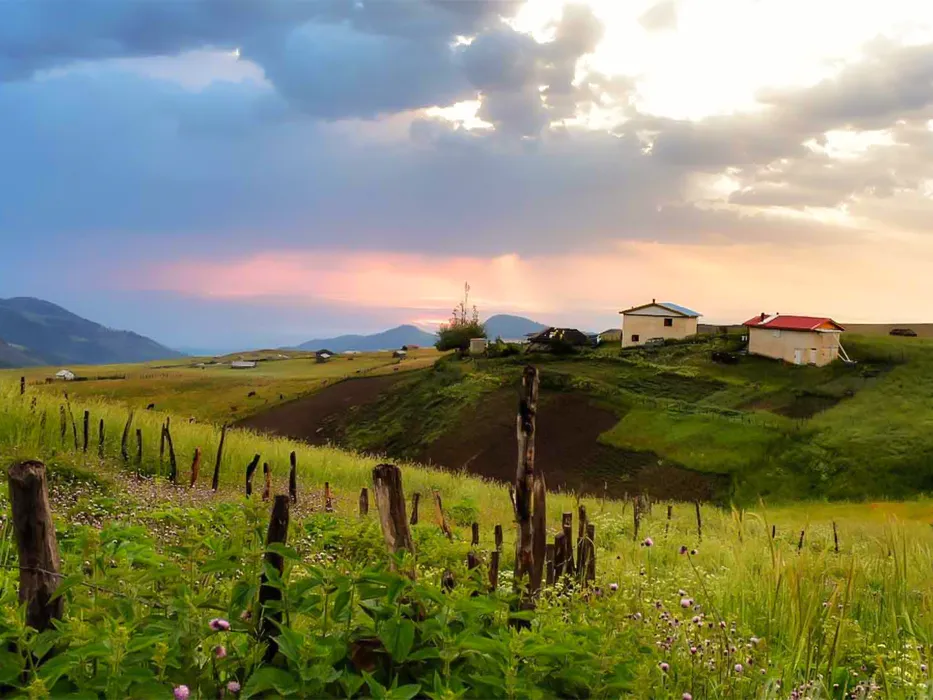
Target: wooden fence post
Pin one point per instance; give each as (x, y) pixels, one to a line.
(835, 538)
(87, 428)
(559, 556)
(538, 532)
(581, 535)
(524, 474)
(71, 417)
(172, 463)
(271, 619)
(139, 452)
(390, 502)
(567, 528)
(636, 517)
(250, 470)
(494, 570)
(267, 481)
(162, 444)
(549, 565)
(498, 538)
(670, 512)
(474, 535)
(441, 518)
(415, 498)
(124, 449)
(22, 385)
(328, 499)
(364, 502)
(39, 563)
(293, 477)
(800, 543)
(773, 531)
(696, 505)
(100, 439)
(215, 481)
(63, 421)
(195, 467)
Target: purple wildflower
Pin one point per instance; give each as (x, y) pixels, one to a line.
(182, 692)
(220, 651)
(738, 668)
(686, 696)
(685, 602)
(648, 542)
(233, 687)
(613, 587)
(218, 624)
(683, 550)
(664, 667)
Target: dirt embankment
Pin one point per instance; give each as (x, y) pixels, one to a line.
(483, 441)
(316, 419)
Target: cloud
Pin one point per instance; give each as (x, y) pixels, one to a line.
(660, 16)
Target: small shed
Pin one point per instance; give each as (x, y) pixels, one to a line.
(323, 355)
(242, 364)
(477, 346)
(65, 375)
(400, 354)
(610, 335)
(553, 338)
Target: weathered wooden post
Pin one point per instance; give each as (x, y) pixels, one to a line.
(172, 463)
(22, 385)
(250, 470)
(586, 556)
(328, 499)
(390, 502)
(270, 619)
(581, 534)
(71, 417)
(195, 467)
(87, 428)
(773, 531)
(636, 517)
(267, 481)
(364, 502)
(498, 538)
(474, 535)
(39, 563)
(63, 421)
(293, 477)
(800, 543)
(670, 512)
(124, 449)
(835, 538)
(100, 439)
(215, 481)
(494, 570)
(538, 532)
(162, 444)
(567, 528)
(415, 498)
(441, 518)
(524, 474)
(549, 565)
(696, 505)
(139, 452)
(559, 556)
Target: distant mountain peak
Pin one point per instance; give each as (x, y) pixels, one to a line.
(393, 338)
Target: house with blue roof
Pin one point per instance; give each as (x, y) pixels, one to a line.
(656, 322)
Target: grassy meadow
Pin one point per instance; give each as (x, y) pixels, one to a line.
(730, 613)
(217, 393)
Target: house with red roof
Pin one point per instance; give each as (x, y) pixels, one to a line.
(800, 340)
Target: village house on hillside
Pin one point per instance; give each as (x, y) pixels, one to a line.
(242, 364)
(65, 375)
(801, 340)
(323, 355)
(657, 320)
(610, 335)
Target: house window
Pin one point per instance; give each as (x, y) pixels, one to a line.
(635, 338)
(776, 334)
(668, 322)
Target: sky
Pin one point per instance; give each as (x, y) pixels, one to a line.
(226, 174)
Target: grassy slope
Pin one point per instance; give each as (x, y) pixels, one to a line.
(838, 431)
(218, 394)
(858, 616)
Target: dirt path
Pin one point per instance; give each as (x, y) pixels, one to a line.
(315, 418)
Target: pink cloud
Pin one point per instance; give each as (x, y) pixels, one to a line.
(864, 282)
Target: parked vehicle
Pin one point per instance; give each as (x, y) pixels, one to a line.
(906, 332)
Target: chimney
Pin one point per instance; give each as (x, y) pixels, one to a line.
(654, 301)
(763, 316)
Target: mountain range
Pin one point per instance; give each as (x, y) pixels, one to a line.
(500, 326)
(35, 332)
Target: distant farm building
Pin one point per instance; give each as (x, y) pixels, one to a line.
(65, 375)
(657, 320)
(610, 335)
(477, 346)
(557, 338)
(242, 364)
(400, 354)
(406, 348)
(800, 340)
(323, 355)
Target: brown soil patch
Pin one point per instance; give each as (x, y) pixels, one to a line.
(566, 449)
(315, 419)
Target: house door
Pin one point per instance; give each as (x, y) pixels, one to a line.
(798, 356)
(812, 356)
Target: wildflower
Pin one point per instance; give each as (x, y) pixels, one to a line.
(754, 640)
(648, 542)
(683, 550)
(613, 587)
(220, 651)
(693, 650)
(685, 602)
(923, 667)
(738, 668)
(686, 696)
(696, 620)
(218, 624)
(182, 692)
(233, 687)
(664, 667)
(693, 552)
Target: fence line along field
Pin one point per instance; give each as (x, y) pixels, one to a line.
(210, 389)
(180, 590)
